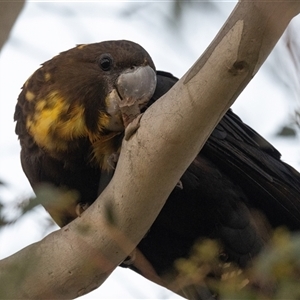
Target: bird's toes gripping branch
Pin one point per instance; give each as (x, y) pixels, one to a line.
(113, 159)
(132, 126)
(80, 208)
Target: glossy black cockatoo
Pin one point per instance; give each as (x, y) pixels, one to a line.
(70, 127)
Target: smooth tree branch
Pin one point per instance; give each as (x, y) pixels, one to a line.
(79, 257)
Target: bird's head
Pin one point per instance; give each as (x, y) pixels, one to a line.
(78, 93)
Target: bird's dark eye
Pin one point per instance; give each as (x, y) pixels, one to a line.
(105, 62)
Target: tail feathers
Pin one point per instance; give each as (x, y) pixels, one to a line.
(241, 239)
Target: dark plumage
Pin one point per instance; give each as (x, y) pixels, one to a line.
(68, 117)
(69, 127)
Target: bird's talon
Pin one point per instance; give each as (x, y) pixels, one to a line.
(132, 127)
(129, 260)
(113, 159)
(179, 185)
(80, 208)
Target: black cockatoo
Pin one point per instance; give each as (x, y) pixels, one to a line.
(70, 128)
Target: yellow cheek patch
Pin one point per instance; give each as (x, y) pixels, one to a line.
(74, 125)
(55, 122)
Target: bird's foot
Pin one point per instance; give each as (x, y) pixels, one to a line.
(132, 127)
(80, 208)
(113, 159)
(179, 185)
(129, 260)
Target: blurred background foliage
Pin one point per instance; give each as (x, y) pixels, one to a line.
(273, 275)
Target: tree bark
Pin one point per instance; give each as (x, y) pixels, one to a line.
(79, 257)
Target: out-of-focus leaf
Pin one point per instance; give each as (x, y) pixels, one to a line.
(286, 131)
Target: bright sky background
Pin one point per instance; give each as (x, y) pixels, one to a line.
(47, 28)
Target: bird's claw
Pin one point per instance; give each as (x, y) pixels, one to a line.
(132, 127)
(179, 185)
(113, 159)
(80, 208)
(129, 260)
